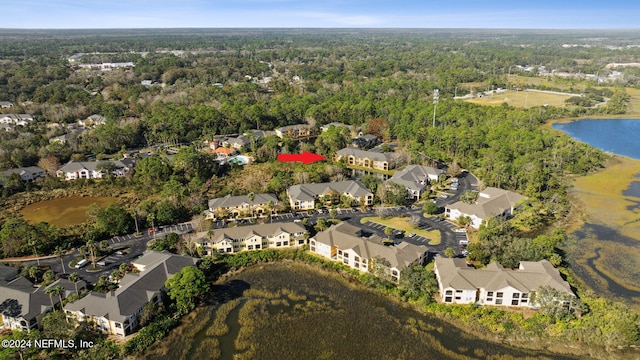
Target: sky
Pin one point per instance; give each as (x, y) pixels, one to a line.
(499, 14)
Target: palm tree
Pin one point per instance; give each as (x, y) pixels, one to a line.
(270, 207)
(91, 246)
(251, 197)
(60, 252)
(33, 272)
(103, 245)
(50, 291)
(33, 243)
(74, 278)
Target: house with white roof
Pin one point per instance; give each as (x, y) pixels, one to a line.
(459, 283)
(345, 243)
(491, 203)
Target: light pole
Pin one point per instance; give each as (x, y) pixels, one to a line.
(436, 95)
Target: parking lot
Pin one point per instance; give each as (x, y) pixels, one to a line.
(379, 229)
(179, 228)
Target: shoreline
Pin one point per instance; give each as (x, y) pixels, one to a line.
(604, 221)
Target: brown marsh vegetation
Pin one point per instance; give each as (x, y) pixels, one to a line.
(289, 310)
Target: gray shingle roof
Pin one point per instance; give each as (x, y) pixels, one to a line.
(135, 289)
(235, 201)
(455, 273)
(364, 154)
(491, 202)
(306, 192)
(414, 177)
(32, 300)
(346, 236)
(243, 232)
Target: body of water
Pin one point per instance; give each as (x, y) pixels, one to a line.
(619, 136)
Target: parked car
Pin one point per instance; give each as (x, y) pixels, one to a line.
(411, 235)
(82, 263)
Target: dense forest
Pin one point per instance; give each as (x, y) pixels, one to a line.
(187, 86)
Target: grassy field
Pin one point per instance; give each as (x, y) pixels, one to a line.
(400, 223)
(65, 211)
(522, 99)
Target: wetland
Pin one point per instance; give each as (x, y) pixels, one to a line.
(297, 311)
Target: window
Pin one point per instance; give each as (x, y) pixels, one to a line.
(312, 242)
(489, 299)
(499, 294)
(300, 242)
(447, 299)
(498, 301)
(346, 261)
(523, 301)
(356, 258)
(257, 246)
(339, 252)
(514, 302)
(286, 243)
(489, 293)
(525, 295)
(356, 265)
(250, 247)
(312, 248)
(346, 255)
(457, 297)
(278, 243)
(229, 249)
(516, 295)
(449, 292)
(458, 291)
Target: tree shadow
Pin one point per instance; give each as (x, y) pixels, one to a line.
(228, 291)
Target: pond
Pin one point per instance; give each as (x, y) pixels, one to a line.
(618, 136)
(65, 211)
(295, 311)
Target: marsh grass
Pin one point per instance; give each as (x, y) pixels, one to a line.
(301, 311)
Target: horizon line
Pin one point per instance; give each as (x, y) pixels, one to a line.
(325, 28)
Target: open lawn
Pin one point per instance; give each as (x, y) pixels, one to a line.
(523, 99)
(65, 211)
(400, 223)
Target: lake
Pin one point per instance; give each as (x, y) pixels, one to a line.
(618, 136)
